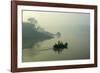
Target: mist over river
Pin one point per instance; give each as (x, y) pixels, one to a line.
(78, 48)
(38, 36)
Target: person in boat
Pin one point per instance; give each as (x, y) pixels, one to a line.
(60, 45)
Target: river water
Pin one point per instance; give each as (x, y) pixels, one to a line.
(78, 48)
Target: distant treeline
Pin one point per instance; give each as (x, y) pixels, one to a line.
(30, 31)
(32, 34)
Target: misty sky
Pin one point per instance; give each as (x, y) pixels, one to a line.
(58, 21)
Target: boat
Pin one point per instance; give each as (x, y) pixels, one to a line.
(60, 45)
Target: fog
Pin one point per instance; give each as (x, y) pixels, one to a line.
(73, 28)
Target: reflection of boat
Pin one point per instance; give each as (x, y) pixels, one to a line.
(60, 45)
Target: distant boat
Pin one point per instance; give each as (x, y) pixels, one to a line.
(60, 45)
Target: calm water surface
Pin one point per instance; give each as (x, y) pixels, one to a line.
(78, 48)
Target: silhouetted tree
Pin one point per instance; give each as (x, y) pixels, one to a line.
(58, 34)
(32, 20)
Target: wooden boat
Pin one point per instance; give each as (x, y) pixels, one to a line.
(60, 45)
